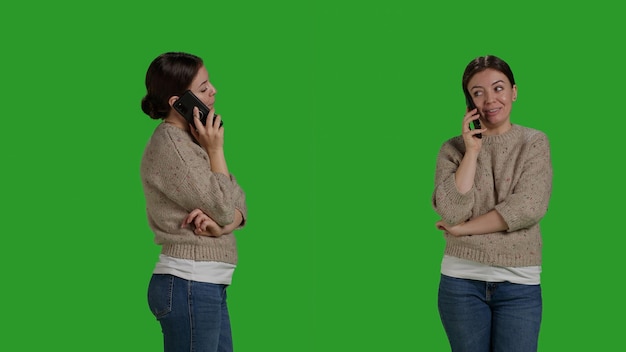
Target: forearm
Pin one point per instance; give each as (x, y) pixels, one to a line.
(217, 161)
(464, 176)
(205, 226)
(489, 222)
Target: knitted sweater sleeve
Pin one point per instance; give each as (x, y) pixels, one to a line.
(179, 170)
(239, 200)
(453, 206)
(528, 201)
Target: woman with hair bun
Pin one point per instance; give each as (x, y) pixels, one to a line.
(193, 205)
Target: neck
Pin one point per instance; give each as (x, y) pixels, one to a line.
(500, 129)
(177, 121)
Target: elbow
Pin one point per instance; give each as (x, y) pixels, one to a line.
(221, 208)
(524, 219)
(224, 216)
(453, 218)
(534, 214)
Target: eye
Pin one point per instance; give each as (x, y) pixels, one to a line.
(499, 88)
(477, 93)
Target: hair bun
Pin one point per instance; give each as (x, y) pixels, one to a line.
(147, 106)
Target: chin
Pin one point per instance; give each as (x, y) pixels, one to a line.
(497, 119)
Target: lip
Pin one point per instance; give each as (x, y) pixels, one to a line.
(491, 112)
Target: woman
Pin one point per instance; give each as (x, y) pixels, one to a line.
(193, 206)
(491, 193)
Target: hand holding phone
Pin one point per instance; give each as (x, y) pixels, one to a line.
(476, 123)
(184, 105)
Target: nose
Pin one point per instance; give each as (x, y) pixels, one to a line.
(489, 97)
(212, 90)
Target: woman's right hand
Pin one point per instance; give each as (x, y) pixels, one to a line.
(203, 224)
(472, 143)
(211, 136)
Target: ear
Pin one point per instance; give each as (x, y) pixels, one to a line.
(172, 100)
(514, 92)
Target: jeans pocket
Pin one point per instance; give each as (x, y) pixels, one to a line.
(160, 292)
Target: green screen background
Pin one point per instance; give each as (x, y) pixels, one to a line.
(334, 113)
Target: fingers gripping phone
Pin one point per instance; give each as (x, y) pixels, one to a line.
(471, 106)
(184, 105)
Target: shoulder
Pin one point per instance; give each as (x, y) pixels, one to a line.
(531, 135)
(166, 133)
(453, 145)
(169, 143)
(166, 136)
(534, 143)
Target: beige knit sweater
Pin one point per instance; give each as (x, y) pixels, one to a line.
(514, 177)
(177, 178)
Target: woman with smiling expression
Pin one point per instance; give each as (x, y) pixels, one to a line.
(491, 193)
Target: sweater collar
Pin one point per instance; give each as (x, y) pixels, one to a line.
(512, 134)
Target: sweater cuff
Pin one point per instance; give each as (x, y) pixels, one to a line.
(450, 204)
(452, 192)
(511, 217)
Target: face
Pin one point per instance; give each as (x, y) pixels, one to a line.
(202, 88)
(494, 96)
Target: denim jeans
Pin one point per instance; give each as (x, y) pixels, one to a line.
(481, 316)
(193, 315)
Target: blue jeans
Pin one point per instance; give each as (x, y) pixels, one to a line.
(481, 316)
(193, 315)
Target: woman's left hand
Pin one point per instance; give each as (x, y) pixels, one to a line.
(204, 225)
(453, 230)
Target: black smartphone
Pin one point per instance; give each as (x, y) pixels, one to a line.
(184, 105)
(471, 106)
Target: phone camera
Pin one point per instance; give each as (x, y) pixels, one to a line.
(180, 107)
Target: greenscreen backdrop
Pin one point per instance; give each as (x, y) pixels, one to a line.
(334, 113)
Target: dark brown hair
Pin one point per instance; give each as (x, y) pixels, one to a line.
(169, 74)
(482, 63)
